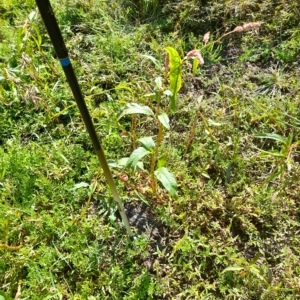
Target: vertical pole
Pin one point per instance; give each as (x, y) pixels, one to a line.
(62, 53)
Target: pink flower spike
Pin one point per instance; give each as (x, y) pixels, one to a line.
(196, 55)
(188, 65)
(206, 38)
(248, 26)
(252, 25)
(238, 29)
(166, 63)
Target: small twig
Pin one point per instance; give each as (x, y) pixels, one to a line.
(10, 248)
(191, 135)
(18, 293)
(83, 212)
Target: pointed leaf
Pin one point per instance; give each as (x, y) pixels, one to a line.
(168, 93)
(153, 59)
(147, 142)
(79, 185)
(213, 123)
(255, 271)
(135, 156)
(112, 163)
(124, 86)
(272, 153)
(175, 66)
(162, 161)
(134, 108)
(150, 95)
(195, 66)
(158, 82)
(168, 180)
(4, 296)
(255, 258)
(121, 163)
(140, 166)
(272, 136)
(233, 268)
(164, 120)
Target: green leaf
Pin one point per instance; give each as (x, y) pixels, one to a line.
(213, 123)
(31, 17)
(164, 120)
(273, 176)
(272, 136)
(168, 93)
(162, 161)
(147, 142)
(175, 77)
(273, 153)
(233, 268)
(140, 166)
(195, 66)
(3, 296)
(134, 108)
(255, 259)
(158, 83)
(168, 180)
(256, 271)
(135, 156)
(124, 86)
(121, 163)
(79, 186)
(153, 59)
(150, 95)
(112, 163)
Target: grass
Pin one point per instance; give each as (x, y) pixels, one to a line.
(233, 230)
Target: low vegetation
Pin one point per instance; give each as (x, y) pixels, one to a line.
(197, 107)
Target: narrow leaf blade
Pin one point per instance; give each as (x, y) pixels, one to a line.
(79, 185)
(134, 108)
(272, 136)
(153, 59)
(233, 268)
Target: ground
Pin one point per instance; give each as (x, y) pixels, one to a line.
(214, 203)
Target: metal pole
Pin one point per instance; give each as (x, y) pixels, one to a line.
(62, 53)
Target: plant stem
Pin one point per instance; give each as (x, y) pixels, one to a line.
(83, 212)
(160, 136)
(133, 131)
(191, 135)
(216, 41)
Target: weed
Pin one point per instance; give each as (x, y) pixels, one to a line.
(232, 232)
(148, 144)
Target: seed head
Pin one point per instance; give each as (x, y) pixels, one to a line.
(247, 27)
(206, 38)
(167, 63)
(196, 55)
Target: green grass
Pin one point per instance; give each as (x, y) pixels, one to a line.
(233, 230)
